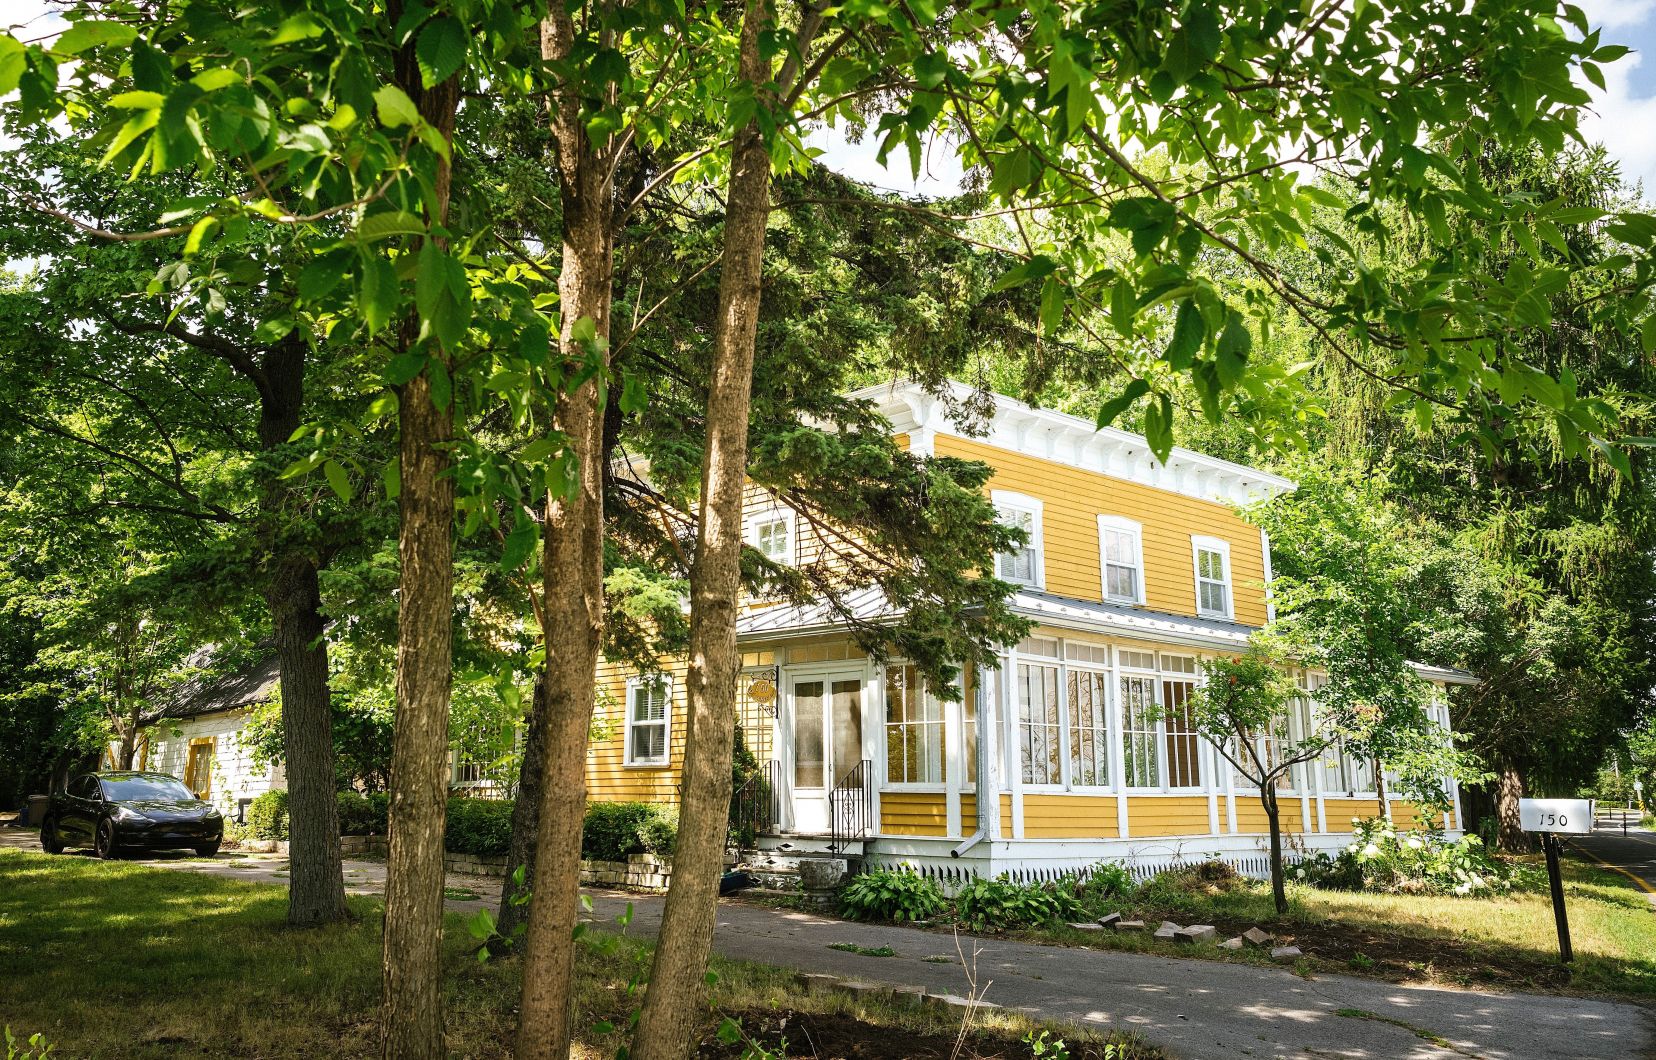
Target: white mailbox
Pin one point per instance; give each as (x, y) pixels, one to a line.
(1567, 816)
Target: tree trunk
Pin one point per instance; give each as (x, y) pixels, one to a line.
(1380, 789)
(1273, 814)
(1509, 788)
(316, 883)
(412, 1019)
(572, 571)
(129, 739)
(672, 1010)
(525, 818)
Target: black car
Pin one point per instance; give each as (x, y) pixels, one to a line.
(108, 811)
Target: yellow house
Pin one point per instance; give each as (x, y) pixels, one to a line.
(1075, 749)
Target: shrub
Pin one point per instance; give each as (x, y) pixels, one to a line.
(613, 831)
(891, 894)
(1382, 858)
(1104, 881)
(267, 816)
(479, 826)
(991, 905)
(361, 814)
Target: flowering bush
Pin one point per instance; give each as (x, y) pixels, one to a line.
(1383, 858)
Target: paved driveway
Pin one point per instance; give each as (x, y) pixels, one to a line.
(1195, 1008)
(1634, 854)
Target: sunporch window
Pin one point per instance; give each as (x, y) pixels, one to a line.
(914, 729)
(649, 714)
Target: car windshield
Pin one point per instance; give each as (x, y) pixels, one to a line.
(130, 788)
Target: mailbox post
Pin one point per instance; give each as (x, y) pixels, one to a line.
(1551, 818)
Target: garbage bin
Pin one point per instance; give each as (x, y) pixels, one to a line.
(37, 810)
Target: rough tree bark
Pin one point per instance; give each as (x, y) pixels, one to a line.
(666, 1028)
(572, 569)
(525, 817)
(412, 1016)
(316, 882)
(1509, 788)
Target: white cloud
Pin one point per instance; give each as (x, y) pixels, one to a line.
(1617, 14)
(941, 173)
(1624, 120)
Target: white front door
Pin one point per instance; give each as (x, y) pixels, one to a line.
(827, 741)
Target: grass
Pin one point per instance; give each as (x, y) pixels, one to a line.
(1507, 941)
(866, 951)
(114, 959)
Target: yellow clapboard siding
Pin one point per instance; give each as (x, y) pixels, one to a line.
(1070, 816)
(1072, 499)
(1006, 816)
(1339, 812)
(968, 812)
(1250, 815)
(609, 779)
(1149, 815)
(922, 813)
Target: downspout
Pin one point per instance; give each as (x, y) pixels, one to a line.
(982, 765)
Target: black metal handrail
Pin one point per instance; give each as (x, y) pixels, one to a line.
(755, 806)
(849, 804)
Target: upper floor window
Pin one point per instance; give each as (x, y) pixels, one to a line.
(772, 533)
(1213, 577)
(1022, 565)
(1121, 557)
(649, 717)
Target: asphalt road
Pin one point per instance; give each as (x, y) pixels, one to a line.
(1194, 1008)
(1634, 854)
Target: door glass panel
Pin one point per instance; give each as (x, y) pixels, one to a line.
(808, 760)
(847, 725)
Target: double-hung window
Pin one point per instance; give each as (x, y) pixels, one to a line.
(1087, 700)
(649, 718)
(1121, 559)
(914, 729)
(1213, 577)
(1181, 743)
(772, 533)
(1022, 565)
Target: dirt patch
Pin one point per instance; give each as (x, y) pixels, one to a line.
(836, 1036)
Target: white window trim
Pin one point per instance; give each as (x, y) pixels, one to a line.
(1121, 525)
(627, 760)
(785, 515)
(1200, 543)
(1022, 502)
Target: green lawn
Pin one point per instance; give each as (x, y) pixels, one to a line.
(1507, 941)
(109, 959)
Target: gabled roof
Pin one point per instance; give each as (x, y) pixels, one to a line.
(247, 687)
(1066, 439)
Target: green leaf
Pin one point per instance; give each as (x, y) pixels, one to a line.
(1189, 329)
(441, 50)
(389, 225)
(1114, 407)
(320, 277)
(1618, 458)
(394, 107)
(198, 235)
(1035, 268)
(272, 330)
(520, 545)
(337, 479)
(442, 294)
(377, 292)
(391, 478)
(1235, 342)
(405, 366)
(83, 35)
(1195, 44)
(297, 28)
(1052, 305)
(1158, 427)
(1123, 306)
(634, 393)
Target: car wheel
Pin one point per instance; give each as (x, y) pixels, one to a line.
(103, 844)
(209, 850)
(50, 841)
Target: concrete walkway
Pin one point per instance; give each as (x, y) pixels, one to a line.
(1195, 1008)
